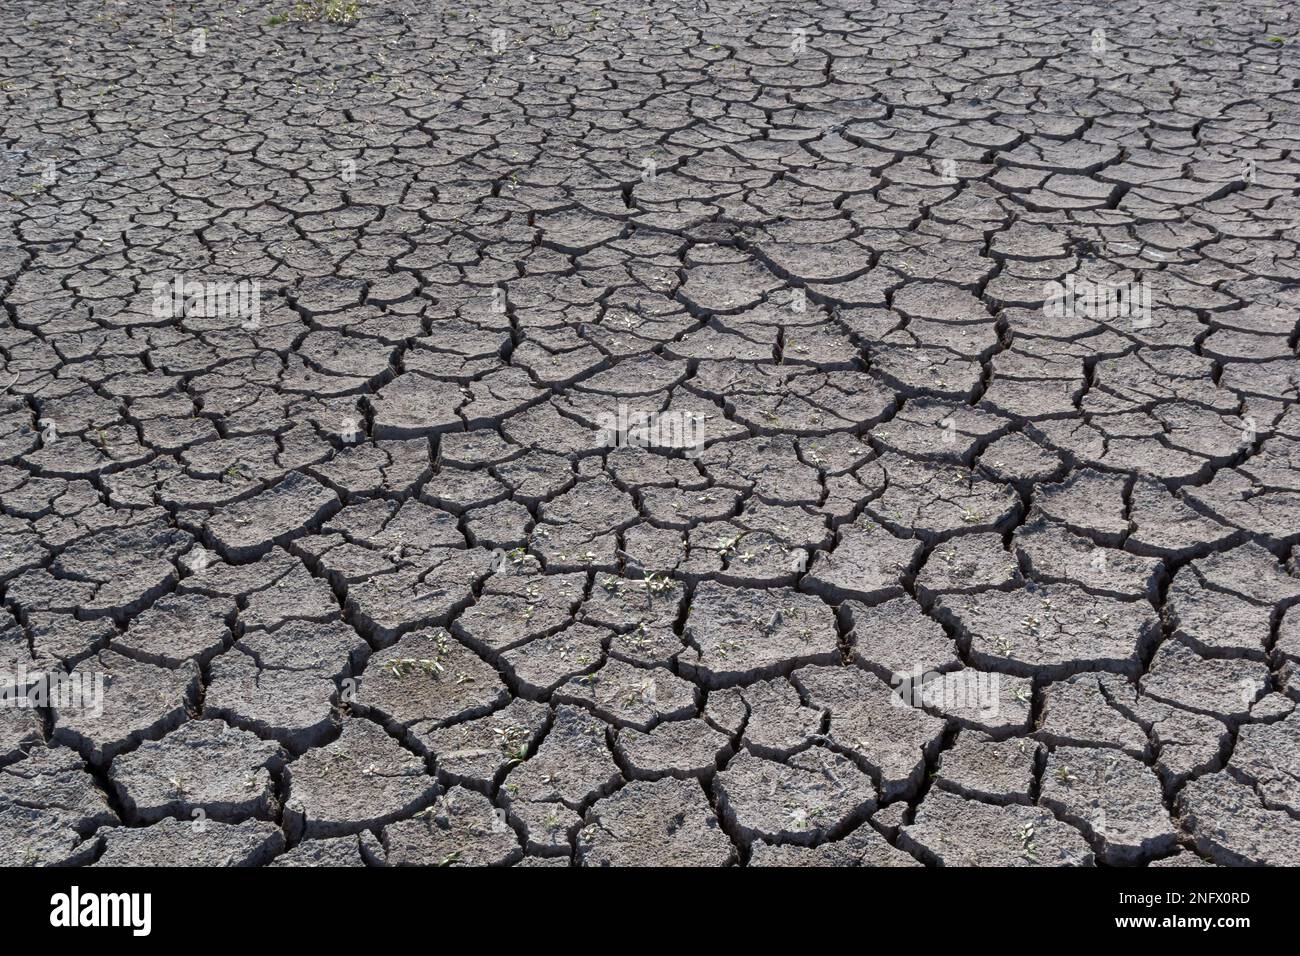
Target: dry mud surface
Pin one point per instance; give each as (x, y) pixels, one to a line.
(910, 569)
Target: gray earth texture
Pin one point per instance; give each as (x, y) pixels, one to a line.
(704, 433)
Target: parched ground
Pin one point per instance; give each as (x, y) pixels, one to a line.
(952, 578)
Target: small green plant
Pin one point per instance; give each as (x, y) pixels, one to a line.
(639, 639)
(726, 647)
(319, 11)
(726, 545)
(1028, 847)
(513, 742)
(403, 666)
(659, 583)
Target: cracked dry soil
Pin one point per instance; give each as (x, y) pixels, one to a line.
(907, 568)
